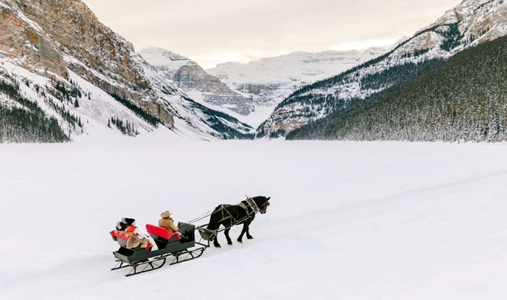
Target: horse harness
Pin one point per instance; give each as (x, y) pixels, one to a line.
(250, 203)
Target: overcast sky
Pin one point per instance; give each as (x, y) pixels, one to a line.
(214, 31)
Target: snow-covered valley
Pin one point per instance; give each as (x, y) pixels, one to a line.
(347, 220)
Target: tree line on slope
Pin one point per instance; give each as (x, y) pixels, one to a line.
(319, 98)
(26, 122)
(332, 104)
(462, 99)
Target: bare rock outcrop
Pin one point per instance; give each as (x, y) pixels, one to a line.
(26, 43)
(94, 52)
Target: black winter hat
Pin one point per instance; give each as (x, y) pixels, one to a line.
(129, 221)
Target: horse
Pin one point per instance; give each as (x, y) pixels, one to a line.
(230, 215)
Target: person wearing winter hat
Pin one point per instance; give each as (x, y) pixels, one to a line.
(167, 222)
(122, 225)
(129, 221)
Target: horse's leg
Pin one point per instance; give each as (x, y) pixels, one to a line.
(215, 242)
(226, 232)
(248, 236)
(240, 237)
(214, 224)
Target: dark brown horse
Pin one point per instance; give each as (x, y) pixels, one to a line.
(231, 215)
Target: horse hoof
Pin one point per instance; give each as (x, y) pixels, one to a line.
(240, 241)
(217, 246)
(250, 237)
(230, 244)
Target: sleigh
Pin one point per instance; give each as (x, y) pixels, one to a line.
(175, 248)
(172, 247)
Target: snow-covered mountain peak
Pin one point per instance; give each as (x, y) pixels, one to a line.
(477, 20)
(269, 80)
(194, 80)
(160, 57)
(300, 66)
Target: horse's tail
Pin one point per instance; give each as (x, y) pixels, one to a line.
(215, 217)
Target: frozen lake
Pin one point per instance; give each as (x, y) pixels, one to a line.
(347, 220)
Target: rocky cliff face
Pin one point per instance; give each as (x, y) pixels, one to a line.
(191, 78)
(90, 47)
(80, 35)
(27, 43)
(478, 21)
(470, 23)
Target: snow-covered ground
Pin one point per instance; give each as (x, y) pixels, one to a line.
(346, 221)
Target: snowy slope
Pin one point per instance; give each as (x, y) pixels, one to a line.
(270, 80)
(468, 24)
(96, 107)
(346, 221)
(192, 79)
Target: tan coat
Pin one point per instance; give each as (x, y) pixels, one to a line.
(135, 241)
(168, 223)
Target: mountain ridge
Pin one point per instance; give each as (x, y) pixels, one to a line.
(467, 25)
(460, 100)
(190, 77)
(266, 82)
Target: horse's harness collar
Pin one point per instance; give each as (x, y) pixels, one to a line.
(252, 204)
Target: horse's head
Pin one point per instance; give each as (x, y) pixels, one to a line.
(262, 203)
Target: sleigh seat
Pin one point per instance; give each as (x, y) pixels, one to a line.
(162, 236)
(167, 240)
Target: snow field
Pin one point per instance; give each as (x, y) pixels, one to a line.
(346, 221)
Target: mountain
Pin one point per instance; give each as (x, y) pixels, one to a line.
(61, 67)
(270, 80)
(462, 99)
(469, 24)
(192, 79)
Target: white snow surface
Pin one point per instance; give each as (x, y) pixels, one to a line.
(347, 220)
(171, 62)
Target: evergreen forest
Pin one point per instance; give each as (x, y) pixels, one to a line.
(462, 99)
(23, 121)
